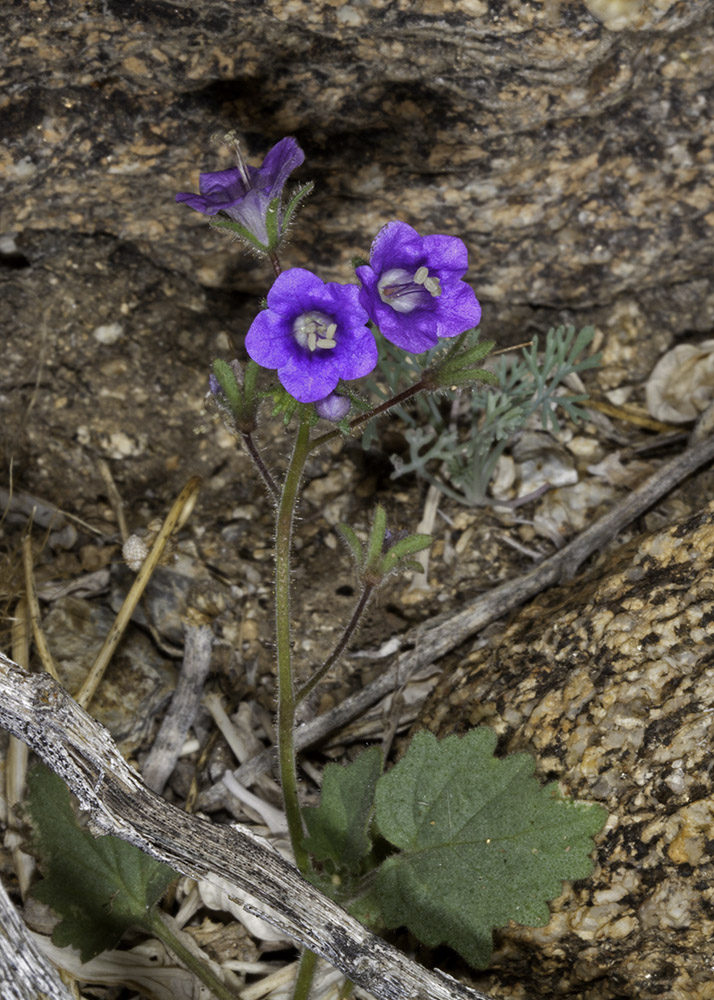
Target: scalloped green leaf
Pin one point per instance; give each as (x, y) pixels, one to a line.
(98, 887)
(482, 842)
(338, 829)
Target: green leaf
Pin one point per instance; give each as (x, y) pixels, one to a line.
(99, 887)
(355, 545)
(405, 547)
(338, 827)
(482, 842)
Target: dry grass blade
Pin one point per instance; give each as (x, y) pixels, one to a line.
(175, 519)
(34, 608)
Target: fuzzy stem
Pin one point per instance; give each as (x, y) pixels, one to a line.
(286, 692)
(374, 412)
(306, 971)
(275, 261)
(337, 652)
(252, 449)
(156, 926)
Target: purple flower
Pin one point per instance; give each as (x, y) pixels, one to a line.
(313, 333)
(412, 287)
(333, 407)
(251, 196)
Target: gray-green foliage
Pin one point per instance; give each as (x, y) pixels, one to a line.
(460, 460)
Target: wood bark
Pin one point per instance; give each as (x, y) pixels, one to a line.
(37, 710)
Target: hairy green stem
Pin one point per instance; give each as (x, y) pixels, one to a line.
(252, 449)
(306, 971)
(400, 397)
(286, 691)
(156, 926)
(275, 261)
(337, 652)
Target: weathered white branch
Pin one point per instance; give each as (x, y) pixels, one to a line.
(25, 973)
(39, 711)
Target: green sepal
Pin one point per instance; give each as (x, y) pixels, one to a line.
(403, 548)
(358, 261)
(241, 400)
(413, 565)
(343, 426)
(272, 219)
(353, 542)
(283, 403)
(290, 208)
(458, 367)
(250, 378)
(228, 225)
(375, 543)
(228, 383)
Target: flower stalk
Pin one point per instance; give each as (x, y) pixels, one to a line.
(156, 926)
(286, 691)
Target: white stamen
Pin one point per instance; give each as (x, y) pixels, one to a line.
(433, 287)
(314, 329)
(421, 274)
(398, 289)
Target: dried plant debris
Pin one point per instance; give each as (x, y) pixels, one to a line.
(681, 385)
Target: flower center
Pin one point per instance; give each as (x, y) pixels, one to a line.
(404, 292)
(314, 329)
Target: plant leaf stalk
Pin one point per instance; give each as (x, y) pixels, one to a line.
(395, 400)
(337, 652)
(286, 691)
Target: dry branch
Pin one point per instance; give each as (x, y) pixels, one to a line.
(37, 710)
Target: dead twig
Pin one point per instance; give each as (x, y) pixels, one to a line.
(432, 639)
(198, 642)
(176, 517)
(41, 713)
(25, 973)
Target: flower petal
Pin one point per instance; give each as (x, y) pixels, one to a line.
(308, 379)
(356, 353)
(457, 309)
(279, 163)
(396, 245)
(446, 253)
(269, 341)
(297, 290)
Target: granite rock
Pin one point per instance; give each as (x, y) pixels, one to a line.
(569, 146)
(609, 682)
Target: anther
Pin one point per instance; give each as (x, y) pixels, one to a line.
(312, 340)
(421, 275)
(433, 286)
(323, 342)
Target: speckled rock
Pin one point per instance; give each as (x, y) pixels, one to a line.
(569, 143)
(610, 683)
(571, 148)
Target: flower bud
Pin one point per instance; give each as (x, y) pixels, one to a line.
(333, 407)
